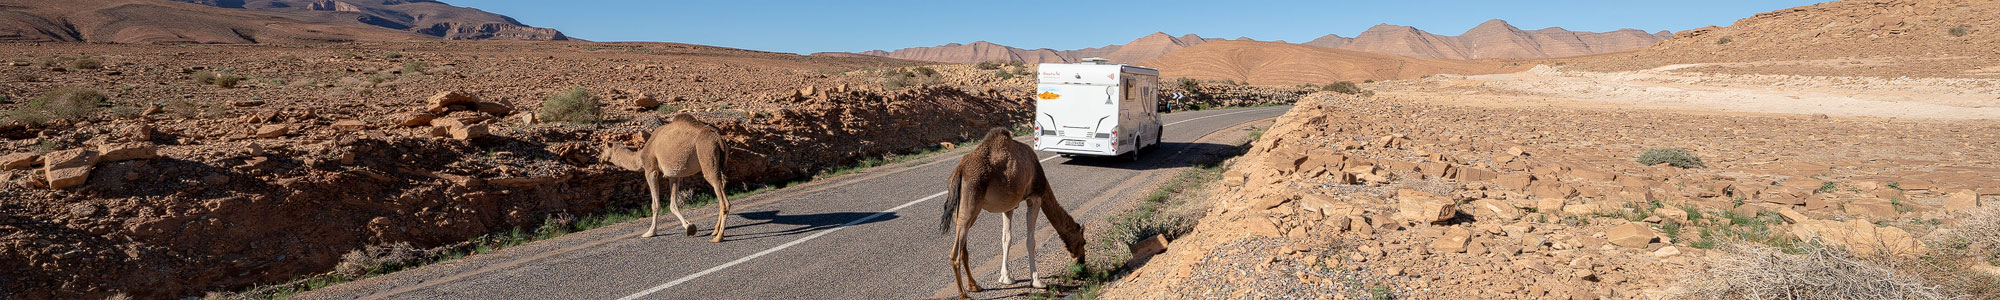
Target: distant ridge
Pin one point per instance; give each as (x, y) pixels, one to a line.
(1492, 39)
(255, 21)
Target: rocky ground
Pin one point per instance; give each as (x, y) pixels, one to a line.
(167, 185)
(1527, 186)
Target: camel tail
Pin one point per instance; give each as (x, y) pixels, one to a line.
(950, 203)
(1066, 227)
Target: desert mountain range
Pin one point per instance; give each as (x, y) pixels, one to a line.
(254, 21)
(1492, 39)
(1280, 63)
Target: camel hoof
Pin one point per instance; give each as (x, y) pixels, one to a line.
(1037, 283)
(717, 239)
(690, 229)
(1004, 281)
(649, 233)
(975, 288)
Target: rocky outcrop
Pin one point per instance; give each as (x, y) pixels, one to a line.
(1492, 39)
(241, 22)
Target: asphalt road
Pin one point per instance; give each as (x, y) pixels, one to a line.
(870, 235)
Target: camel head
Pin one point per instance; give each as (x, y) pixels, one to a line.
(1073, 240)
(619, 156)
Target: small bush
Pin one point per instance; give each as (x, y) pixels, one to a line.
(1677, 157)
(24, 77)
(1342, 87)
(415, 67)
(223, 80)
(59, 104)
(898, 82)
(380, 259)
(576, 105)
(1755, 272)
(987, 65)
(1958, 31)
(1724, 40)
(926, 71)
(86, 63)
(394, 55)
(1004, 75)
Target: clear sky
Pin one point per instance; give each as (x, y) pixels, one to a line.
(818, 26)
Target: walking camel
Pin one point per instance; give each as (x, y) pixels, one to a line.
(681, 149)
(995, 177)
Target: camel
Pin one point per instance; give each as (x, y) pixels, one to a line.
(995, 177)
(680, 149)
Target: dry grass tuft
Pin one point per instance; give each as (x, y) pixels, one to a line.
(1747, 271)
(380, 259)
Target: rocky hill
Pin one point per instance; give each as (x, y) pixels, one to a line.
(1492, 39)
(258, 21)
(1270, 63)
(1929, 38)
(1138, 50)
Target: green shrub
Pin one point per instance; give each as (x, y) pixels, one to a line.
(1342, 87)
(1677, 157)
(926, 71)
(86, 63)
(60, 104)
(394, 55)
(1004, 75)
(573, 106)
(415, 67)
(1958, 31)
(1724, 40)
(223, 80)
(24, 77)
(987, 65)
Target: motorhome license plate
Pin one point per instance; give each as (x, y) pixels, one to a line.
(1073, 143)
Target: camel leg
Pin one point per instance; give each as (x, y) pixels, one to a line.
(1006, 241)
(722, 197)
(961, 273)
(1034, 277)
(964, 256)
(652, 219)
(674, 205)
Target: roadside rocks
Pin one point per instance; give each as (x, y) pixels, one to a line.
(455, 115)
(1861, 237)
(68, 168)
(273, 131)
(19, 160)
(1631, 235)
(1423, 208)
(125, 151)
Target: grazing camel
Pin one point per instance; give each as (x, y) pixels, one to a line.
(998, 175)
(677, 150)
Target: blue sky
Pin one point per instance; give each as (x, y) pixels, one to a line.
(818, 26)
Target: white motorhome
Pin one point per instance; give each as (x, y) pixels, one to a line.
(1096, 108)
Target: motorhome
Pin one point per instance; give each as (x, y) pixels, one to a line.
(1096, 108)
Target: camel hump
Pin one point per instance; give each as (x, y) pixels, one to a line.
(997, 132)
(683, 117)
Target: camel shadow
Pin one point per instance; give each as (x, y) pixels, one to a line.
(797, 224)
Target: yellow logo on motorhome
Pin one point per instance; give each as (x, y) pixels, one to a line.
(1046, 95)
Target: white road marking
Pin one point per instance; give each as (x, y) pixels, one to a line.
(1185, 121)
(685, 279)
(775, 249)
